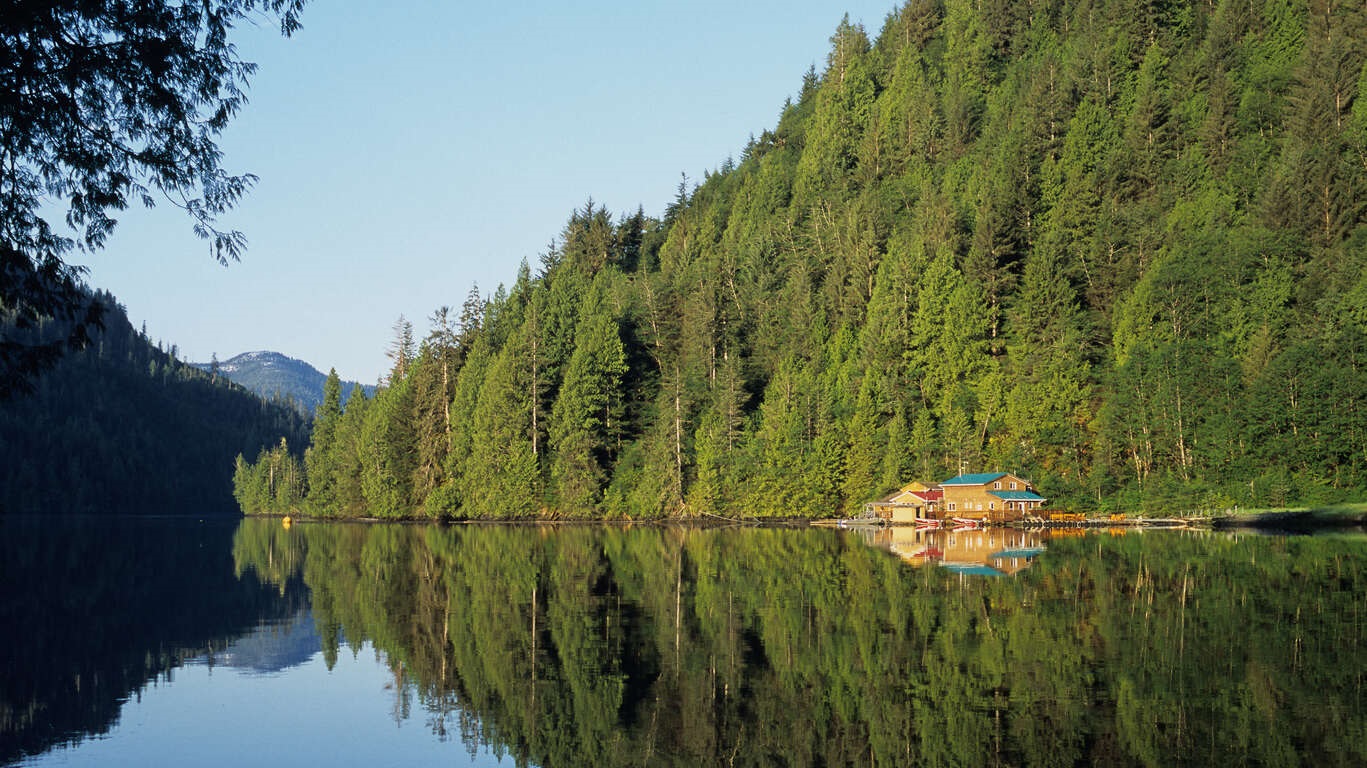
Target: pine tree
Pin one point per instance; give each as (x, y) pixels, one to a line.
(401, 349)
(502, 473)
(348, 463)
(587, 419)
(320, 459)
(844, 108)
(389, 453)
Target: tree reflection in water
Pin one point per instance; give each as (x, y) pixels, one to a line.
(624, 646)
(93, 609)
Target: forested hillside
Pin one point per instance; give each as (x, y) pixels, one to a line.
(125, 427)
(1115, 247)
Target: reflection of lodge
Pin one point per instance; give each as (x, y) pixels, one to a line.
(995, 497)
(986, 551)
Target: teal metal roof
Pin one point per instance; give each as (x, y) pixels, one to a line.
(972, 569)
(1020, 553)
(982, 478)
(1016, 495)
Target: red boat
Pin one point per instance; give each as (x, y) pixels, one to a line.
(927, 524)
(967, 522)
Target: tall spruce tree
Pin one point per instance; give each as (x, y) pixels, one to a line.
(320, 459)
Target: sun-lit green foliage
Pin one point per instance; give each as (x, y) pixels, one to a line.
(579, 645)
(1118, 248)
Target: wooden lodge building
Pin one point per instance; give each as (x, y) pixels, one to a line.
(996, 497)
(989, 496)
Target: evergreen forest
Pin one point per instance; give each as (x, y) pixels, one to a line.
(1118, 248)
(124, 427)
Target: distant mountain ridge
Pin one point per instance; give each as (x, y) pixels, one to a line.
(123, 427)
(273, 375)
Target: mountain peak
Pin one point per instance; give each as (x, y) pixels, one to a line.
(275, 375)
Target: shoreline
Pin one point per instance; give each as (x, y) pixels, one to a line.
(1289, 520)
(1295, 520)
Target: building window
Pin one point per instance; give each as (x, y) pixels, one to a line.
(951, 506)
(991, 505)
(1013, 486)
(997, 486)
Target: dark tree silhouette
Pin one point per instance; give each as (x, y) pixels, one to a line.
(103, 102)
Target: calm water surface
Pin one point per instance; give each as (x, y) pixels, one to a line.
(173, 642)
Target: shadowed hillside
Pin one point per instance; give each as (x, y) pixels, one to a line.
(125, 427)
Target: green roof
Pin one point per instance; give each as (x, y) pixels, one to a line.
(1017, 495)
(982, 478)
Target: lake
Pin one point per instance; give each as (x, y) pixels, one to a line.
(140, 641)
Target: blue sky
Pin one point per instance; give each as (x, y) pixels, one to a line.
(408, 151)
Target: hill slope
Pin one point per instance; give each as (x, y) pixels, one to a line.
(275, 376)
(1118, 248)
(123, 427)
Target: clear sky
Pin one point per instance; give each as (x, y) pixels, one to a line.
(408, 151)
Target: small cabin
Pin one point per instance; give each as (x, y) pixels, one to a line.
(912, 502)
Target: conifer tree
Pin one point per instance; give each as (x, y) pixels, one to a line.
(347, 459)
(587, 418)
(502, 474)
(389, 452)
(844, 108)
(320, 459)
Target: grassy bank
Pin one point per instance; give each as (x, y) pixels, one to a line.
(1298, 518)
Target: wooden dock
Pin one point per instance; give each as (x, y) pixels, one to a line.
(1080, 520)
(1039, 522)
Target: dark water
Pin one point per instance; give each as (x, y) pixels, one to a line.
(159, 641)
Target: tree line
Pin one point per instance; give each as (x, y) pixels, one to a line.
(1118, 249)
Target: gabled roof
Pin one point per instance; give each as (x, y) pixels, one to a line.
(1016, 495)
(909, 488)
(931, 495)
(982, 478)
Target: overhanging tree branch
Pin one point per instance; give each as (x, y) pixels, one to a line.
(101, 102)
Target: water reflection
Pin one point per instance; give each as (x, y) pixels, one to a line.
(611, 646)
(640, 646)
(974, 551)
(268, 649)
(93, 609)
